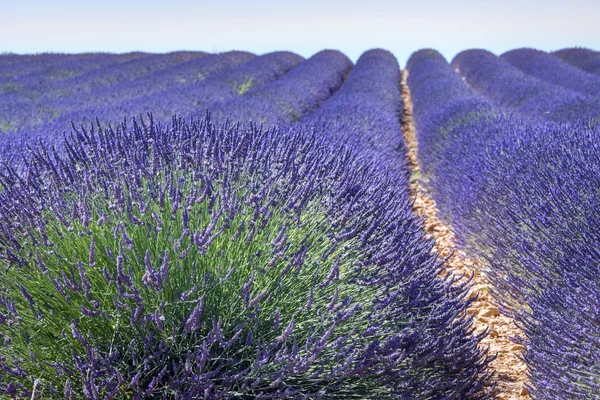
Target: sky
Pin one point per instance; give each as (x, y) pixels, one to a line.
(304, 27)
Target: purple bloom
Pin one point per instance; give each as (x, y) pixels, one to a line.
(194, 320)
(85, 284)
(259, 297)
(287, 332)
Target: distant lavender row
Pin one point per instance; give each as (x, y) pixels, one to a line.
(192, 99)
(112, 84)
(293, 96)
(217, 79)
(585, 59)
(16, 68)
(186, 89)
(47, 120)
(552, 70)
(508, 86)
(366, 113)
(523, 195)
(40, 86)
(179, 79)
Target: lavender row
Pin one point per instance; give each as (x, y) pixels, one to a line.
(169, 88)
(366, 113)
(180, 78)
(507, 86)
(218, 79)
(38, 93)
(288, 99)
(15, 69)
(552, 70)
(585, 59)
(522, 195)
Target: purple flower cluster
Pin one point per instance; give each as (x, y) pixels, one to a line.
(508, 86)
(552, 70)
(290, 98)
(523, 195)
(582, 58)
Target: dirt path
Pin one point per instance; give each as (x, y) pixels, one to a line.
(510, 371)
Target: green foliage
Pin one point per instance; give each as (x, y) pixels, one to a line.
(244, 87)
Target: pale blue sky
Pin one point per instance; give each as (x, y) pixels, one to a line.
(305, 27)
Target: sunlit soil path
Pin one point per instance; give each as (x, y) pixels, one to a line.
(510, 371)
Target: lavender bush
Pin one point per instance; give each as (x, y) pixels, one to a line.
(523, 195)
(221, 262)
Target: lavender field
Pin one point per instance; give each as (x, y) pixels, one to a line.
(197, 225)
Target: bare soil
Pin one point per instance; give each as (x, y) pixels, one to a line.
(510, 371)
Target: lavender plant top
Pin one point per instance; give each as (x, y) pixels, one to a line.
(508, 86)
(226, 261)
(288, 99)
(523, 195)
(585, 59)
(550, 69)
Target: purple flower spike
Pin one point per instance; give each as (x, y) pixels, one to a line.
(333, 274)
(287, 332)
(27, 296)
(148, 278)
(276, 319)
(85, 284)
(245, 293)
(193, 322)
(259, 297)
